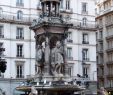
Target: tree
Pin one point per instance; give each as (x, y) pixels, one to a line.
(2, 65)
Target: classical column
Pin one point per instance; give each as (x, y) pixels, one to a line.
(44, 8)
(51, 7)
(57, 8)
(47, 55)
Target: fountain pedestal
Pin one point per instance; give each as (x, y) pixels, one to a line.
(50, 34)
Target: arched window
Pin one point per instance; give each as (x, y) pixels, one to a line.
(1, 11)
(19, 15)
(84, 21)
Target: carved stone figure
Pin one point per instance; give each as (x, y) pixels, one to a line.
(40, 59)
(57, 59)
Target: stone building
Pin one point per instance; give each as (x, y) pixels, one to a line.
(18, 40)
(104, 21)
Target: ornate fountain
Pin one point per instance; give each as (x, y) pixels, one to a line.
(50, 34)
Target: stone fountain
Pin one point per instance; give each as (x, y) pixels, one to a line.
(50, 34)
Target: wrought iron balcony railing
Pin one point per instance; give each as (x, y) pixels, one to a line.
(85, 42)
(89, 25)
(19, 4)
(19, 76)
(70, 58)
(70, 40)
(20, 56)
(19, 37)
(13, 19)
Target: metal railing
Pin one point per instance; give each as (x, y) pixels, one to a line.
(14, 19)
(19, 4)
(88, 25)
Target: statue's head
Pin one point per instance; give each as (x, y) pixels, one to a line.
(58, 44)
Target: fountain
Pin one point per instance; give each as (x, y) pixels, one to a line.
(50, 34)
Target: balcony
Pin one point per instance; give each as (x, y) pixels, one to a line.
(64, 10)
(39, 7)
(109, 63)
(100, 39)
(100, 26)
(85, 59)
(110, 36)
(70, 58)
(19, 37)
(79, 25)
(110, 23)
(100, 76)
(1, 36)
(100, 51)
(110, 49)
(109, 75)
(20, 56)
(70, 40)
(85, 42)
(84, 12)
(19, 4)
(101, 64)
(19, 76)
(13, 19)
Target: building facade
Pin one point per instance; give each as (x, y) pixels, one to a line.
(104, 44)
(18, 40)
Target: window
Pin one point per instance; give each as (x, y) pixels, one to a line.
(1, 32)
(61, 4)
(69, 38)
(85, 55)
(1, 51)
(36, 68)
(101, 46)
(110, 83)
(19, 3)
(39, 5)
(67, 4)
(19, 68)
(85, 71)
(110, 70)
(84, 7)
(70, 70)
(100, 34)
(1, 11)
(19, 15)
(19, 50)
(85, 38)
(84, 21)
(69, 54)
(20, 33)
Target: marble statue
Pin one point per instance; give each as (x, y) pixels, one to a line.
(40, 58)
(57, 59)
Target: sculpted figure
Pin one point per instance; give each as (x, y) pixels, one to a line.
(40, 59)
(57, 59)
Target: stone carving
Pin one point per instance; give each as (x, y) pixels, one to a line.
(47, 52)
(57, 59)
(40, 58)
